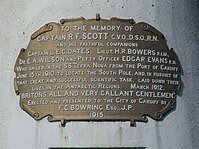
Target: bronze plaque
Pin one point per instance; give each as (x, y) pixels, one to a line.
(99, 70)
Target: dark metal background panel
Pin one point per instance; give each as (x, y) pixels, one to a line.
(99, 70)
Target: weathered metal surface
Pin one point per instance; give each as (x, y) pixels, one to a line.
(97, 70)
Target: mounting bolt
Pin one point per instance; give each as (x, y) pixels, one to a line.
(145, 118)
(145, 27)
(131, 21)
(177, 92)
(158, 115)
(23, 50)
(17, 92)
(172, 104)
(63, 122)
(132, 123)
(97, 17)
(62, 21)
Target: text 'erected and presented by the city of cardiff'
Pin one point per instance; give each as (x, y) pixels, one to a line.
(103, 70)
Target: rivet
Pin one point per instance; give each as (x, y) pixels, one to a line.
(172, 103)
(63, 122)
(131, 21)
(97, 16)
(23, 50)
(145, 26)
(62, 21)
(158, 115)
(132, 123)
(145, 118)
(17, 92)
(177, 92)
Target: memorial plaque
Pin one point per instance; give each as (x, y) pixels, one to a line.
(98, 70)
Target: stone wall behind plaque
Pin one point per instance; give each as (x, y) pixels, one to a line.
(177, 20)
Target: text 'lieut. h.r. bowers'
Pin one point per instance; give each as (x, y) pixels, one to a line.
(104, 70)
